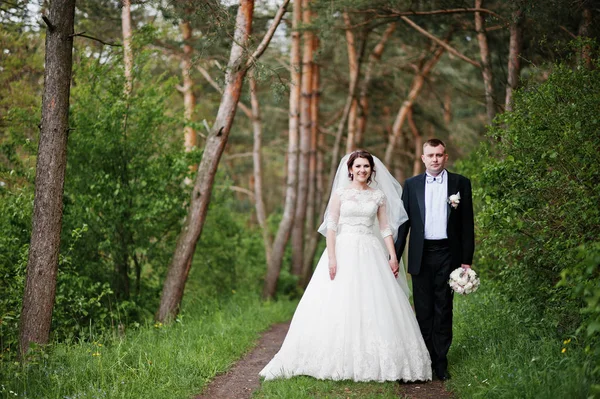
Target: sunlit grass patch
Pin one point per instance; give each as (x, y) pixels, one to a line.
(155, 361)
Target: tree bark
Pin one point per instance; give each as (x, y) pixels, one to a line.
(514, 54)
(189, 99)
(186, 244)
(127, 50)
(353, 72)
(305, 141)
(447, 109)
(121, 284)
(261, 214)
(342, 122)
(375, 56)
(418, 143)
(313, 194)
(584, 31)
(285, 226)
(486, 67)
(42, 264)
(415, 89)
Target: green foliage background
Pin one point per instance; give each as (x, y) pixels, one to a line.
(538, 219)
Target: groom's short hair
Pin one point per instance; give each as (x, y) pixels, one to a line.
(434, 143)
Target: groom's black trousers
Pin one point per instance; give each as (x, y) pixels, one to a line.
(433, 301)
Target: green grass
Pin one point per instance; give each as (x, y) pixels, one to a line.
(154, 361)
(504, 350)
(500, 350)
(307, 387)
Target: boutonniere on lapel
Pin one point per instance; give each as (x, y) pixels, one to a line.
(454, 200)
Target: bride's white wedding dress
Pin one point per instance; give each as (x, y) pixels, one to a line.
(360, 326)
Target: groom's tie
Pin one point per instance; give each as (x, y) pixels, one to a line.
(437, 179)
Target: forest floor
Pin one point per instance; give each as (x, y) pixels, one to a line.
(242, 379)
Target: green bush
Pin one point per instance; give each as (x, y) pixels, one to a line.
(537, 196)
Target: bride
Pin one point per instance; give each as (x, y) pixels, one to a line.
(354, 320)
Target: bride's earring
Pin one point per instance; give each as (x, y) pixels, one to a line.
(351, 176)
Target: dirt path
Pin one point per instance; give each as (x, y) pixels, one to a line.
(243, 379)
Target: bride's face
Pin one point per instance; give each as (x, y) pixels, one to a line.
(361, 170)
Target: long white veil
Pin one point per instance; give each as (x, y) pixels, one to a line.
(396, 214)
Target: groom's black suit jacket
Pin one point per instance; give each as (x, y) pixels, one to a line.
(460, 228)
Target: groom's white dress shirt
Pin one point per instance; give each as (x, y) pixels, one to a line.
(436, 194)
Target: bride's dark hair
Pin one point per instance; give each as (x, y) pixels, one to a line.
(365, 155)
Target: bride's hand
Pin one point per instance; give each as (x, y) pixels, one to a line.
(332, 269)
(394, 266)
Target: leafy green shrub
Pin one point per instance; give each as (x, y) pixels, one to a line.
(537, 197)
(15, 224)
(125, 182)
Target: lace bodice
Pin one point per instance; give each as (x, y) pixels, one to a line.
(354, 211)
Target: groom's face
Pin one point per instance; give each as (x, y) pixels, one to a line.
(435, 159)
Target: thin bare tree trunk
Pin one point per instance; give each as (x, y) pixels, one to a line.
(342, 122)
(514, 54)
(287, 221)
(305, 138)
(127, 50)
(486, 67)
(584, 31)
(353, 72)
(418, 142)
(189, 99)
(186, 244)
(313, 193)
(375, 56)
(415, 89)
(42, 264)
(447, 108)
(121, 280)
(261, 213)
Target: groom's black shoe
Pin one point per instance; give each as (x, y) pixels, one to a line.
(442, 375)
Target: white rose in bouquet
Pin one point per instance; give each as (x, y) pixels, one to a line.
(464, 281)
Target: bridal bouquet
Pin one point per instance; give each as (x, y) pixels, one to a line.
(464, 281)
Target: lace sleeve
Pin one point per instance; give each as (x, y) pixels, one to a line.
(334, 211)
(384, 226)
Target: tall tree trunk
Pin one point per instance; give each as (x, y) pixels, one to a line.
(313, 195)
(418, 143)
(375, 56)
(584, 31)
(514, 54)
(285, 226)
(127, 50)
(121, 284)
(42, 264)
(447, 109)
(305, 141)
(353, 72)
(189, 99)
(335, 151)
(415, 89)
(486, 66)
(261, 213)
(186, 244)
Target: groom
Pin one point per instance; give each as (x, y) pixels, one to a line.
(442, 238)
